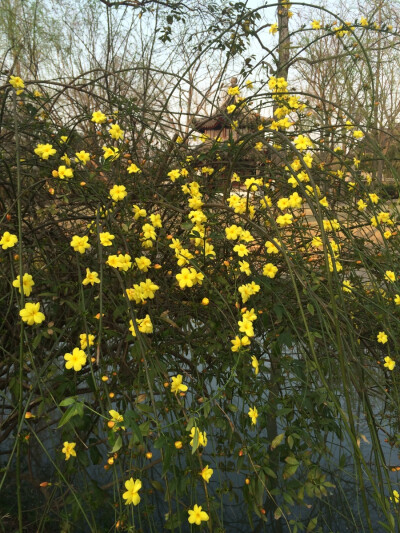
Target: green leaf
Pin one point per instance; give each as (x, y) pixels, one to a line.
(145, 428)
(68, 401)
(191, 423)
(277, 440)
(157, 485)
(160, 442)
(195, 443)
(310, 308)
(117, 444)
(73, 410)
(130, 422)
(269, 472)
(292, 460)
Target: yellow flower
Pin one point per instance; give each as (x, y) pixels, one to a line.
(273, 29)
(231, 108)
(302, 143)
(176, 384)
(86, 340)
(347, 286)
(390, 276)
(69, 449)
(64, 172)
(156, 220)
(106, 238)
(133, 169)
(255, 364)
(270, 270)
(80, 244)
(197, 515)
(241, 250)
(382, 337)
(374, 198)
(149, 231)
(8, 240)
(206, 473)
(284, 220)
(138, 212)
(174, 174)
(98, 117)
(390, 364)
(91, 277)
(253, 414)
(363, 21)
(16, 82)
(67, 161)
(31, 314)
(358, 134)
(202, 437)
(45, 151)
(361, 205)
(246, 326)
(116, 132)
(186, 278)
(316, 24)
(83, 156)
(116, 418)
(397, 299)
(143, 263)
(111, 151)
(233, 91)
(132, 488)
(76, 360)
(144, 325)
(178, 444)
(118, 192)
(27, 283)
(245, 267)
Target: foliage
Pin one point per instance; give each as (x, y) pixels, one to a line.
(219, 314)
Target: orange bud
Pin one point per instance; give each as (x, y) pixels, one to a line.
(149, 455)
(110, 424)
